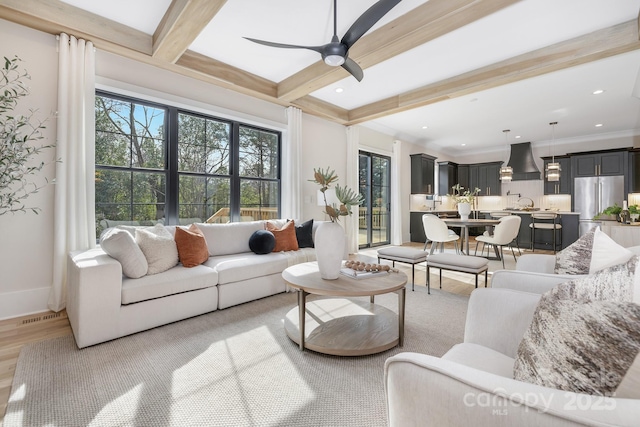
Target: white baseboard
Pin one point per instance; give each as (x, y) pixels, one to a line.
(24, 303)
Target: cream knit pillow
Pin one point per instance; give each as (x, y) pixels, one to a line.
(158, 247)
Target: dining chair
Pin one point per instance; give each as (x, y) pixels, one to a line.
(503, 235)
(545, 221)
(498, 215)
(438, 233)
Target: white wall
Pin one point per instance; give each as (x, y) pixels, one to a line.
(27, 238)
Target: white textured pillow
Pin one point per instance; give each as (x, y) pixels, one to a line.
(606, 252)
(119, 244)
(158, 247)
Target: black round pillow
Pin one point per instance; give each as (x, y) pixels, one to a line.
(262, 242)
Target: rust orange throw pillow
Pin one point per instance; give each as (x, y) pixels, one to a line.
(286, 239)
(192, 247)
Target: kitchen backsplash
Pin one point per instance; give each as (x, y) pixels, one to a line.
(533, 190)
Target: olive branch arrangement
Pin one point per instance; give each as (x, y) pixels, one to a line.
(18, 135)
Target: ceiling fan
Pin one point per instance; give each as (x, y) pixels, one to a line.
(336, 53)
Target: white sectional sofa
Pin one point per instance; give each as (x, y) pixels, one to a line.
(103, 304)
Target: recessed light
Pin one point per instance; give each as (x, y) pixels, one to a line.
(425, 127)
(518, 137)
(339, 90)
(598, 92)
(463, 145)
(599, 125)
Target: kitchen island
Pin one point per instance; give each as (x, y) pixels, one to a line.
(544, 240)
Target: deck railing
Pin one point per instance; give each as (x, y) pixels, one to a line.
(378, 218)
(222, 216)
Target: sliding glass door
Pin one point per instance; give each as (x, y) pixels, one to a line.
(374, 217)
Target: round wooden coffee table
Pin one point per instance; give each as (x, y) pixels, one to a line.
(341, 326)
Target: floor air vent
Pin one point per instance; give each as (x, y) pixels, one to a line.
(40, 318)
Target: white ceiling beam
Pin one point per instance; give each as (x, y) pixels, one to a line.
(594, 46)
(420, 25)
(181, 24)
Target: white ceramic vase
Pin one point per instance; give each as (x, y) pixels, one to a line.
(330, 241)
(464, 209)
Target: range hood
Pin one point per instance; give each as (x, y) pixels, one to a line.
(522, 162)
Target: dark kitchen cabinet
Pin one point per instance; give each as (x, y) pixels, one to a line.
(634, 171)
(486, 177)
(563, 186)
(448, 177)
(463, 176)
(422, 174)
(605, 163)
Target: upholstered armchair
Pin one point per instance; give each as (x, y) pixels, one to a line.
(472, 384)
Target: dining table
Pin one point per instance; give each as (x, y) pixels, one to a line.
(464, 225)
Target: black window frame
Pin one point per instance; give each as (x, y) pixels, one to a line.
(171, 172)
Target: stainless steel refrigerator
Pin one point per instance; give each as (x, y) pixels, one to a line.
(591, 195)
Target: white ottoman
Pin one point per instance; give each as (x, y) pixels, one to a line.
(403, 254)
(453, 262)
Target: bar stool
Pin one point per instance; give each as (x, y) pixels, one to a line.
(545, 221)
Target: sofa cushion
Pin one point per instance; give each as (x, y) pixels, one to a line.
(482, 358)
(304, 234)
(192, 246)
(173, 281)
(232, 238)
(262, 242)
(234, 268)
(158, 247)
(285, 236)
(121, 245)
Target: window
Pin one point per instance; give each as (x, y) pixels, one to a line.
(156, 163)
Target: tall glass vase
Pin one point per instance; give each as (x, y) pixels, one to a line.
(330, 242)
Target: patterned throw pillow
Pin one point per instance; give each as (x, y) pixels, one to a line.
(585, 335)
(158, 247)
(285, 237)
(580, 347)
(576, 258)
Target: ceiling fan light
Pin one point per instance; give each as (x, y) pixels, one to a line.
(552, 171)
(506, 173)
(334, 60)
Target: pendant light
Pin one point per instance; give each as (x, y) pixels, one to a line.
(552, 171)
(506, 172)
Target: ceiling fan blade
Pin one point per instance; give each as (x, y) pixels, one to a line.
(285, 46)
(367, 20)
(351, 66)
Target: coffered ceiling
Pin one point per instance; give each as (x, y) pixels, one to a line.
(441, 73)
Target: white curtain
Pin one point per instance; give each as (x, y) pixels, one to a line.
(291, 184)
(396, 194)
(351, 222)
(74, 214)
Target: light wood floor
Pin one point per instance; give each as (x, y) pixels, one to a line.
(14, 333)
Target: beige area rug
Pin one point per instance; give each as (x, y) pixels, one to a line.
(233, 367)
